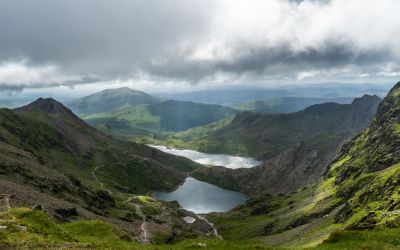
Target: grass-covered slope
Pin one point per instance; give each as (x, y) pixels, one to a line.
(50, 158)
(134, 114)
(154, 120)
(110, 99)
(33, 229)
(367, 171)
(46, 148)
(355, 206)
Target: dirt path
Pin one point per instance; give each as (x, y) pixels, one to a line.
(215, 231)
(144, 235)
(98, 181)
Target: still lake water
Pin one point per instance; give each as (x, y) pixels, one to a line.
(227, 161)
(201, 197)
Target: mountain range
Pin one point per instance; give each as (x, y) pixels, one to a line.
(287, 104)
(237, 95)
(130, 113)
(353, 206)
(298, 146)
(329, 180)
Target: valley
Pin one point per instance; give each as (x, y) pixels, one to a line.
(219, 195)
(201, 124)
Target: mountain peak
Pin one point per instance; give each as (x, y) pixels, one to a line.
(47, 105)
(122, 91)
(110, 99)
(366, 99)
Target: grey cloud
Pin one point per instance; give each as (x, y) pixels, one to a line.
(109, 38)
(280, 59)
(7, 87)
(122, 39)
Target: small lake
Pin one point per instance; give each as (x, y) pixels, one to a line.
(201, 197)
(227, 161)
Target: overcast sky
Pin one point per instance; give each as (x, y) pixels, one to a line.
(157, 43)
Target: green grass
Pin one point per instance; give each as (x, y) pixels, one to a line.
(156, 120)
(368, 239)
(136, 120)
(43, 233)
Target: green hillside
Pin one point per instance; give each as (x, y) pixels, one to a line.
(263, 135)
(156, 119)
(52, 160)
(355, 206)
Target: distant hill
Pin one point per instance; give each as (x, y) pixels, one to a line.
(287, 104)
(110, 99)
(234, 95)
(130, 113)
(179, 115)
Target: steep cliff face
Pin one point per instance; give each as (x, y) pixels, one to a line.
(367, 170)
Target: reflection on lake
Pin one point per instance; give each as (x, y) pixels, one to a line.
(227, 161)
(201, 197)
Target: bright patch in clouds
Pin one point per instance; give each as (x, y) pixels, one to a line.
(19, 72)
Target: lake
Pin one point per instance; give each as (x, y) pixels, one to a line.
(201, 197)
(227, 161)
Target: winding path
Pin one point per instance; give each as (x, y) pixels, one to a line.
(98, 181)
(144, 235)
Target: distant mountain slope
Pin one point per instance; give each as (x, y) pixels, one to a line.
(233, 95)
(178, 115)
(296, 147)
(154, 119)
(354, 206)
(287, 104)
(262, 135)
(110, 99)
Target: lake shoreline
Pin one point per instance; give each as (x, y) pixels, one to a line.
(221, 160)
(201, 197)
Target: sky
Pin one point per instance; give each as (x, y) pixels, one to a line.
(79, 46)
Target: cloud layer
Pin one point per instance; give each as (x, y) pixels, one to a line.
(46, 42)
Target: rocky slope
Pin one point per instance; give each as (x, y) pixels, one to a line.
(51, 158)
(359, 191)
(296, 148)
